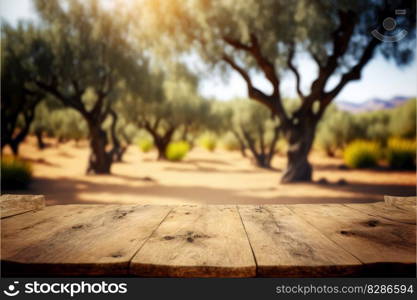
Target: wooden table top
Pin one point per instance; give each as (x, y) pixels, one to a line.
(302, 240)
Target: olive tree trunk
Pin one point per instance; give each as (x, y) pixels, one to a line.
(15, 141)
(118, 150)
(100, 160)
(161, 144)
(300, 140)
(161, 141)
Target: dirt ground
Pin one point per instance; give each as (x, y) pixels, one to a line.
(220, 177)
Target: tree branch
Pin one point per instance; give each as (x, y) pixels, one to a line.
(74, 102)
(236, 44)
(255, 93)
(353, 74)
(240, 70)
(267, 67)
(255, 50)
(316, 59)
(295, 71)
(273, 102)
(341, 39)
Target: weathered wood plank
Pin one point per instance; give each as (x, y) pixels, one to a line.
(380, 243)
(11, 205)
(404, 203)
(77, 239)
(209, 241)
(197, 241)
(380, 209)
(284, 245)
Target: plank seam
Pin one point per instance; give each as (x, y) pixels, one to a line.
(247, 236)
(147, 239)
(325, 235)
(21, 213)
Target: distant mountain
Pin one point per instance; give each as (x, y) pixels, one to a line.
(372, 104)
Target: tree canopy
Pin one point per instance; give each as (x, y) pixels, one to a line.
(19, 96)
(82, 57)
(265, 37)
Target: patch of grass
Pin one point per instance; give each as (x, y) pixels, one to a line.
(362, 154)
(176, 151)
(15, 173)
(401, 153)
(145, 145)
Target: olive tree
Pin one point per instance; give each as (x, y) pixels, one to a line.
(267, 37)
(255, 129)
(19, 97)
(62, 123)
(171, 105)
(84, 59)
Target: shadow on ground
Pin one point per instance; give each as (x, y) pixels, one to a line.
(77, 191)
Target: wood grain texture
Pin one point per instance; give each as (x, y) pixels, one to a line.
(197, 241)
(211, 241)
(380, 243)
(380, 209)
(286, 246)
(402, 203)
(77, 239)
(11, 205)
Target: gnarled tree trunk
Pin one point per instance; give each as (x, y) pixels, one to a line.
(263, 154)
(161, 143)
(262, 161)
(100, 160)
(9, 135)
(300, 138)
(15, 141)
(118, 150)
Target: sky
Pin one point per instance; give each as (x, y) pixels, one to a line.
(380, 78)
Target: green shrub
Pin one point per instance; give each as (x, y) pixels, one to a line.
(176, 151)
(208, 142)
(362, 154)
(401, 153)
(145, 145)
(15, 173)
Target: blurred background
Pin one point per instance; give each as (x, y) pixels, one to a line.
(208, 102)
